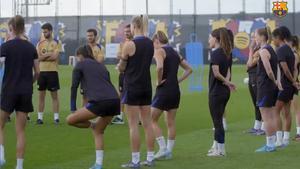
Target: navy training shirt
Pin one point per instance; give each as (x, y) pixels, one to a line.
(286, 54)
(263, 81)
(95, 81)
(218, 57)
(170, 70)
(19, 62)
(137, 75)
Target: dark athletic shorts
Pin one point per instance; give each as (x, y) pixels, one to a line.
(16, 102)
(105, 107)
(166, 102)
(267, 98)
(48, 81)
(286, 95)
(137, 98)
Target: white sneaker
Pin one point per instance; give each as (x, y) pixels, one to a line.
(168, 155)
(216, 153)
(223, 153)
(160, 154)
(118, 120)
(285, 142)
(278, 144)
(212, 149)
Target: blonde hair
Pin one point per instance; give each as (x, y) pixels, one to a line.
(141, 22)
(266, 32)
(161, 37)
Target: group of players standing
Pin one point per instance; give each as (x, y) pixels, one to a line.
(100, 98)
(134, 66)
(274, 85)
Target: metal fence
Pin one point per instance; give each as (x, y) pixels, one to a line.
(178, 24)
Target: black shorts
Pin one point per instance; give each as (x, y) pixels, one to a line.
(16, 102)
(105, 107)
(48, 81)
(266, 99)
(121, 82)
(286, 95)
(137, 98)
(166, 102)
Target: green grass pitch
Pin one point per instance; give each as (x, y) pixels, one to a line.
(64, 147)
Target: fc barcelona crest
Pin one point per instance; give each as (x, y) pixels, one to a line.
(44, 51)
(280, 8)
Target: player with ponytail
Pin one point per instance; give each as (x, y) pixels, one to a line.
(20, 59)
(267, 86)
(135, 62)
(219, 85)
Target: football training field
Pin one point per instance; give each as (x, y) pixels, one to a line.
(51, 146)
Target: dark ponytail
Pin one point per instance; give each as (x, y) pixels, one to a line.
(85, 51)
(283, 33)
(223, 37)
(231, 36)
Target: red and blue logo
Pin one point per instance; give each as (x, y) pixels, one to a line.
(280, 8)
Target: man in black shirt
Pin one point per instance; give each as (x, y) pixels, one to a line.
(17, 88)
